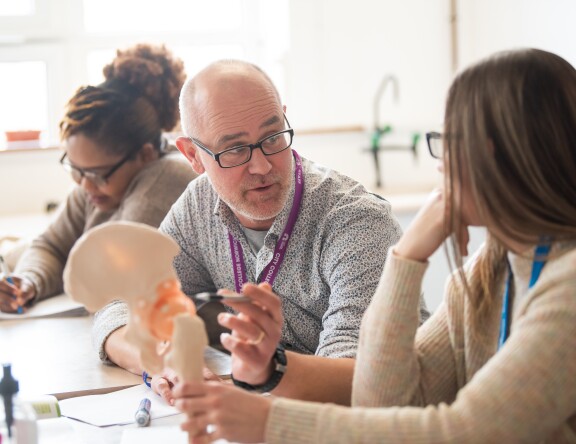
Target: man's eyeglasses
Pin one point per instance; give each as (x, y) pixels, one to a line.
(97, 179)
(241, 154)
(435, 144)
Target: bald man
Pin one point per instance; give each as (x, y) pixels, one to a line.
(260, 213)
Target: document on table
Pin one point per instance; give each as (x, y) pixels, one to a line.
(116, 408)
(57, 306)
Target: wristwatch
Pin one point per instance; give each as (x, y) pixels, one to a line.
(280, 361)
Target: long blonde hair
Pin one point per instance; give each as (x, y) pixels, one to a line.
(510, 125)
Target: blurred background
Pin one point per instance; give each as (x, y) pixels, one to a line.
(362, 81)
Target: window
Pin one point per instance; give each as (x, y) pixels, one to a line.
(47, 51)
(16, 7)
(162, 17)
(24, 96)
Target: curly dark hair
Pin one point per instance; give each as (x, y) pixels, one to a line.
(137, 101)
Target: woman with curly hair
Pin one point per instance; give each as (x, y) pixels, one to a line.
(116, 154)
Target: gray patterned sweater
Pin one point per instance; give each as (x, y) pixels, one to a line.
(330, 272)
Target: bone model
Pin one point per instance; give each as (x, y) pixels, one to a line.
(133, 262)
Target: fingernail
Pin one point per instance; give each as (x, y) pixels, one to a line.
(223, 317)
(224, 336)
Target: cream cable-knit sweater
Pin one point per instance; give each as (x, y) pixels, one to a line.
(446, 385)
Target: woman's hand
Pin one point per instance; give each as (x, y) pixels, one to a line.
(16, 295)
(256, 332)
(428, 230)
(235, 414)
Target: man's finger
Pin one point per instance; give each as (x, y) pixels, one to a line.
(164, 389)
(209, 375)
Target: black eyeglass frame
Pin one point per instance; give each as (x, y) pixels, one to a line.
(97, 179)
(433, 135)
(252, 146)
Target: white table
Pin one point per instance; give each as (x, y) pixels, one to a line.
(55, 356)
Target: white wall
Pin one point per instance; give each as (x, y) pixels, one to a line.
(29, 180)
(340, 51)
(488, 26)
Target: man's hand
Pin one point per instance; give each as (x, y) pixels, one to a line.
(256, 332)
(163, 384)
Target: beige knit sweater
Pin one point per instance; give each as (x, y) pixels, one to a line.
(445, 384)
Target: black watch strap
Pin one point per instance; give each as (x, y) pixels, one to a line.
(280, 361)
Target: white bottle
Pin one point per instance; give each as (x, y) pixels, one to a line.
(25, 423)
(24, 428)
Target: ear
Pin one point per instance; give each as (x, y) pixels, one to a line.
(284, 108)
(148, 153)
(187, 147)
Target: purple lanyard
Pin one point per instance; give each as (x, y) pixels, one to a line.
(271, 270)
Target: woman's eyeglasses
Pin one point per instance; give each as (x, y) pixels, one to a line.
(435, 144)
(97, 179)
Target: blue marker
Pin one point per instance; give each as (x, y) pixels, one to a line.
(142, 416)
(6, 273)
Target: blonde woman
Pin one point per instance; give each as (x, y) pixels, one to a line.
(496, 363)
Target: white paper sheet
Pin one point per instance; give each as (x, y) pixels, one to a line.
(56, 431)
(61, 305)
(116, 408)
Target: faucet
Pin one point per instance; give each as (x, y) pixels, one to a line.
(381, 130)
(388, 79)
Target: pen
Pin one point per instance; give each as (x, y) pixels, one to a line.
(6, 273)
(142, 416)
(208, 297)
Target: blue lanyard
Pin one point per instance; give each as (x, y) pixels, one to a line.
(540, 255)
